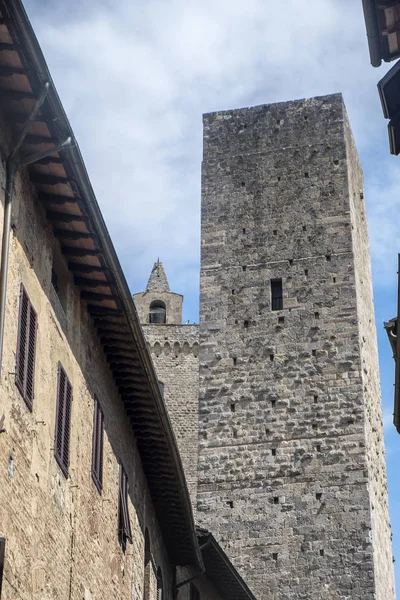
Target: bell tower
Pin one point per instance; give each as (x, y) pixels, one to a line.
(158, 305)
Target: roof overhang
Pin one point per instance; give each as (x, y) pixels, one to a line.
(392, 331)
(220, 570)
(382, 21)
(65, 192)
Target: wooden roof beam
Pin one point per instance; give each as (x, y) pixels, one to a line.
(92, 283)
(72, 251)
(66, 234)
(65, 217)
(47, 179)
(57, 198)
(80, 268)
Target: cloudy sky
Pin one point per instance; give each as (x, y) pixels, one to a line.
(135, 78)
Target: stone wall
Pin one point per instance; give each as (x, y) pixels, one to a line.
(175, 351)
(61, 533)
(375, 455)
(289, 424)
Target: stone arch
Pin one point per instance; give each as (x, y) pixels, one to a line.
(157, 312)
(196, 349)
(177, 349)
(157, 349)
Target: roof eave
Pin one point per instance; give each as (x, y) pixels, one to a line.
(373, 33)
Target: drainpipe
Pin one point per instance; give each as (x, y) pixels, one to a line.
(14, 162)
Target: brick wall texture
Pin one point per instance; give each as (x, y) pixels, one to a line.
(61, 533)
(292, 475)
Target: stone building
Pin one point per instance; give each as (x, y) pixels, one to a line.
(93, 498)
(292, 475)
(291, 464)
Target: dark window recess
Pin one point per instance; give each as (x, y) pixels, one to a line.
(233, 407)
(63, 420)
(26, 346)
(2, 554)
(273, 451)
(318, 495)
(160, 590)
(276, 294)
(321, 553)
(194, 592)
(124, 525)
(246, 324)
(275, 555)
(157, 312)
(97, 445)
(273, 402)
(161, 387)
(276, 500)
(147, 566)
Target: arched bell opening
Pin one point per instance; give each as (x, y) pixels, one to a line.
(157, 312)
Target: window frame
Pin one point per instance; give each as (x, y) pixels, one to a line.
(124, 525)
(97, 445)
(274, 283)
(26, 349)
(63, 420)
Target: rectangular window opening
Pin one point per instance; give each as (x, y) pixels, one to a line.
(194, 592)
(124, 525)
(97, 445)
(26, 349)
(276, 294)
(63, 420)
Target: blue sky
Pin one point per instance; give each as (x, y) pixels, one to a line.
(135, 78)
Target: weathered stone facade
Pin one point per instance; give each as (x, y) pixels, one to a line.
(61, 533)
(291, 457)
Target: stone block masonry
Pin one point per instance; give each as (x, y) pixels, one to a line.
(175, 352)
(291, 457)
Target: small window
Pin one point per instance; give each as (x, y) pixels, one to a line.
(157, 312)
(194, 592)
(26, 347)
(97, 445)
(276, 294)
(124, 525)
(160, 591)
(2, 554)
(161, 387)
(147, 566)
(63, 420)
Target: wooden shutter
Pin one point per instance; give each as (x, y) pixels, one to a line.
(97, 445)
(26, 349)
(63, 420)
(124, 526)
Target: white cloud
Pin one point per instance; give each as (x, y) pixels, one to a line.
(136, 77)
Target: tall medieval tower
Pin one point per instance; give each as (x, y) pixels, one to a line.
(292, 476)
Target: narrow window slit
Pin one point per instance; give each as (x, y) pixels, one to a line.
(276, 294)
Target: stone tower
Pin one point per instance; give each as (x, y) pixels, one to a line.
(175, 352)
(292, 473)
